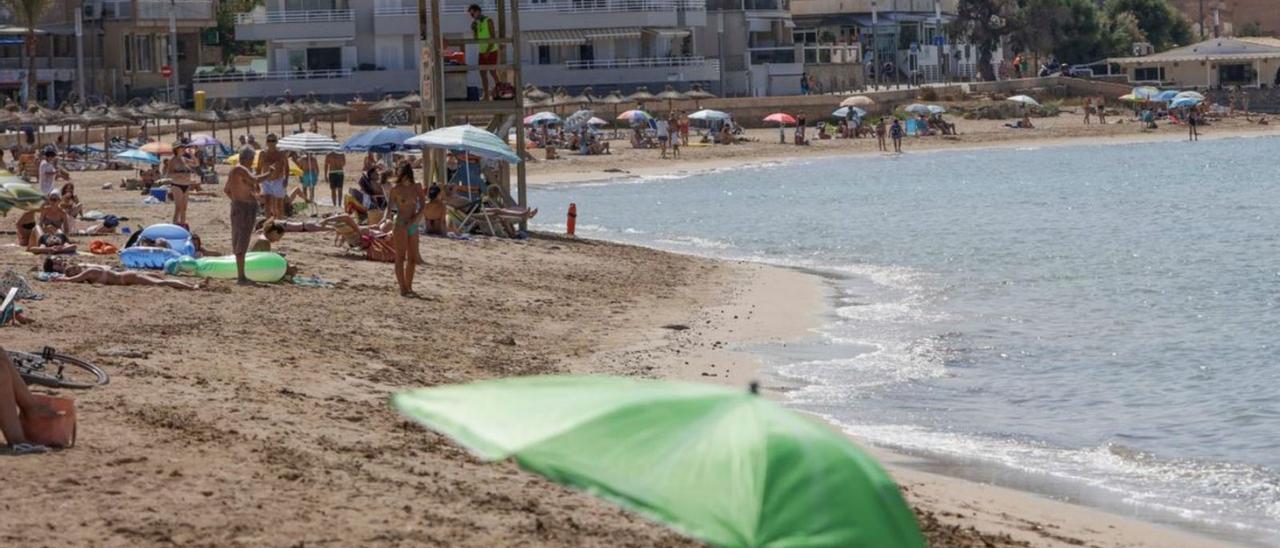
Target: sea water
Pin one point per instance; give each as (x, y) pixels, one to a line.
(1100, 320)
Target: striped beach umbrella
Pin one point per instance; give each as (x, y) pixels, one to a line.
(308, 142)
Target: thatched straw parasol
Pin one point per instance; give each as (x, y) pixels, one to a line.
(670, 95)
(697, 94)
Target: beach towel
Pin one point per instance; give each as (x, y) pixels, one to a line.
(11, 280)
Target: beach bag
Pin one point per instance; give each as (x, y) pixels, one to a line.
(54, 432)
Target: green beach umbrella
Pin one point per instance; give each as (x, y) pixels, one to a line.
(726, 467)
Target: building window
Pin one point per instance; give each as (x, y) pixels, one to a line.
(128, 52)
(1236, 74)
(1148, 74)
(806, 36)
(146, 48)
(544, 55)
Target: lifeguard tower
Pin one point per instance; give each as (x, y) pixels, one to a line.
(446, 97)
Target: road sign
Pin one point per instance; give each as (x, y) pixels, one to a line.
(939, 40)
(915, 47)
(166, 71)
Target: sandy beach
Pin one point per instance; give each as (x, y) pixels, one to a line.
(258, 416)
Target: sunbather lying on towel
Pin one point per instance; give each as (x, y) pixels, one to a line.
(52, 243)
(98, 274)
(15, 401)
(323, 225)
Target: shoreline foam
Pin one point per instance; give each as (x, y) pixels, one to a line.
(777, 306)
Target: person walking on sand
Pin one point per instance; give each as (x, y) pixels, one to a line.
(1088, 110)
(242, 188)
(49, 171)
(895, 132)
(662, 129)
(275, 164)
(881, 132)
(1101, 107)
(334, 165)
(407, 199)
(1193, 120)
(310, 178)
(673, 129)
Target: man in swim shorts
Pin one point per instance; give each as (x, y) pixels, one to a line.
(310, 177)
(334, 164)
(242, 188)
(275, 165)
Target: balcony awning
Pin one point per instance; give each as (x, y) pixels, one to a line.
(570, 37)
(617, 32)
(668, 32)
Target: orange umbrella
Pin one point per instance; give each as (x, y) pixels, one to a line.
(158, 148)
(781, 118)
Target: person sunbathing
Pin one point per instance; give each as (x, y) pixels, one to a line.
(52, 243)
(323, 225)
(99, 274)
(15, 402)
(26, 227)
(70, 201)
(270, 234)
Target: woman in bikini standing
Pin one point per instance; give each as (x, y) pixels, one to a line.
(407, 198)
(179, 170)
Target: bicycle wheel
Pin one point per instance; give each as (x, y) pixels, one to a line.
(58, 371)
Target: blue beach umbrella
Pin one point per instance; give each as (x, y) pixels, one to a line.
(467, 138)
(383, 139)
(1192, 94)
(936, 109)
(136, 155)
(1166, 96)
(843, 112)
(1145, 93)
(916, 108)
(1184, 102)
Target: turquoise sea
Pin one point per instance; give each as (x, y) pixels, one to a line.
(1098, 323)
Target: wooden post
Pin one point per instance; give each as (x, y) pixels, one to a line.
(518, 83)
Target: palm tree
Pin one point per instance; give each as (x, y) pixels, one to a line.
(29, 12)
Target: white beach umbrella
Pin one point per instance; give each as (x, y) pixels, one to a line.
(707, 115)
(596, 122)
(917, 108)
(936, 109)
(1024, 100)
(843, 112)
(467, 138)
(858, 101)
(308, 142)
(1189, 95)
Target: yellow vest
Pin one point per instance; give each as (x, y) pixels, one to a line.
(481, 28)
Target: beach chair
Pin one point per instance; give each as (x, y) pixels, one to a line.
(9, 308)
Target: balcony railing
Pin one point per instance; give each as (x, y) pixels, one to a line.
(812, 53)
(579, 6)
(395, 11)
(251, 76)
(749, 5)
(641, 62)
(158, 9)
(311, 16)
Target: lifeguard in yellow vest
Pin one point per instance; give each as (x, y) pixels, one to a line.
(482, 29)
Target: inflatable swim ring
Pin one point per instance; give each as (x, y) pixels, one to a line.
(147, 257)
(258, 266)
(178, 238)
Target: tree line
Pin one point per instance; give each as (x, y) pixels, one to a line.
(1073, 31)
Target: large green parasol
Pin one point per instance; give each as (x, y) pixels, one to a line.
(727, 467)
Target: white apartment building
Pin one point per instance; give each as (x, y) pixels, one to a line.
(370, 47)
